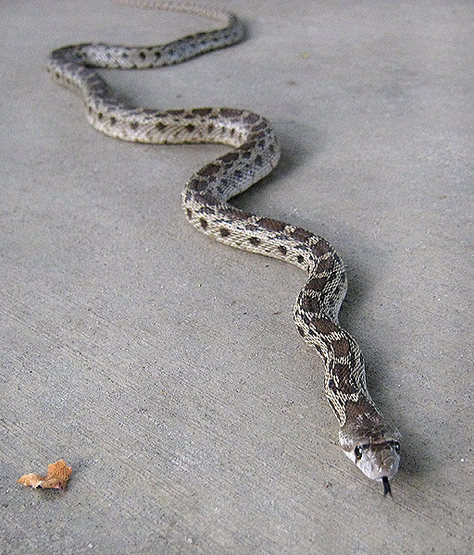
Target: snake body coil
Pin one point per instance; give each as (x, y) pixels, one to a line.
(364, 435)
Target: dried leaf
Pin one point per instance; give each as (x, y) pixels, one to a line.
(57, 477)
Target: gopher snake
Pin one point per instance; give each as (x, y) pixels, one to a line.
(364, 435)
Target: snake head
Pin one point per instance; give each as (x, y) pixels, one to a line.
(377, 460)
(376, 452)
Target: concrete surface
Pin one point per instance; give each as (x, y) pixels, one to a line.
(165, 367)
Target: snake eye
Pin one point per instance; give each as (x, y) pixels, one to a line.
(396, 446)
(358, 452)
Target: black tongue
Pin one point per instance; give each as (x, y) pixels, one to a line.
(386, 487)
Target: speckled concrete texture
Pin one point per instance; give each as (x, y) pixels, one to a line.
(164, 367)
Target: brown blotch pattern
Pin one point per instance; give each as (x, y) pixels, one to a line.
(311, 304)
(345, 383)
(209, 170)
(341, 347)
(197, 184)
(324, 326)
(324, 265)
(301, 234)
(321, 247)
(251, 118)
(205, 198)
(229, 157)
(235, 214)
(202, 111)
(316, 284)
(262, 125)
(271, 225)
(363, 414)
(231, 112)
(247, 149)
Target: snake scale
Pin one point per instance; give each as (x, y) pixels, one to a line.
(365, 436)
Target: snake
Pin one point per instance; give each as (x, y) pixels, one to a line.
(365, 436)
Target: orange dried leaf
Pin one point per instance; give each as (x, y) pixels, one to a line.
(32, 480)
(57, 477)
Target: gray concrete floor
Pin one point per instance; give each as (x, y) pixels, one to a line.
(165, 367)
